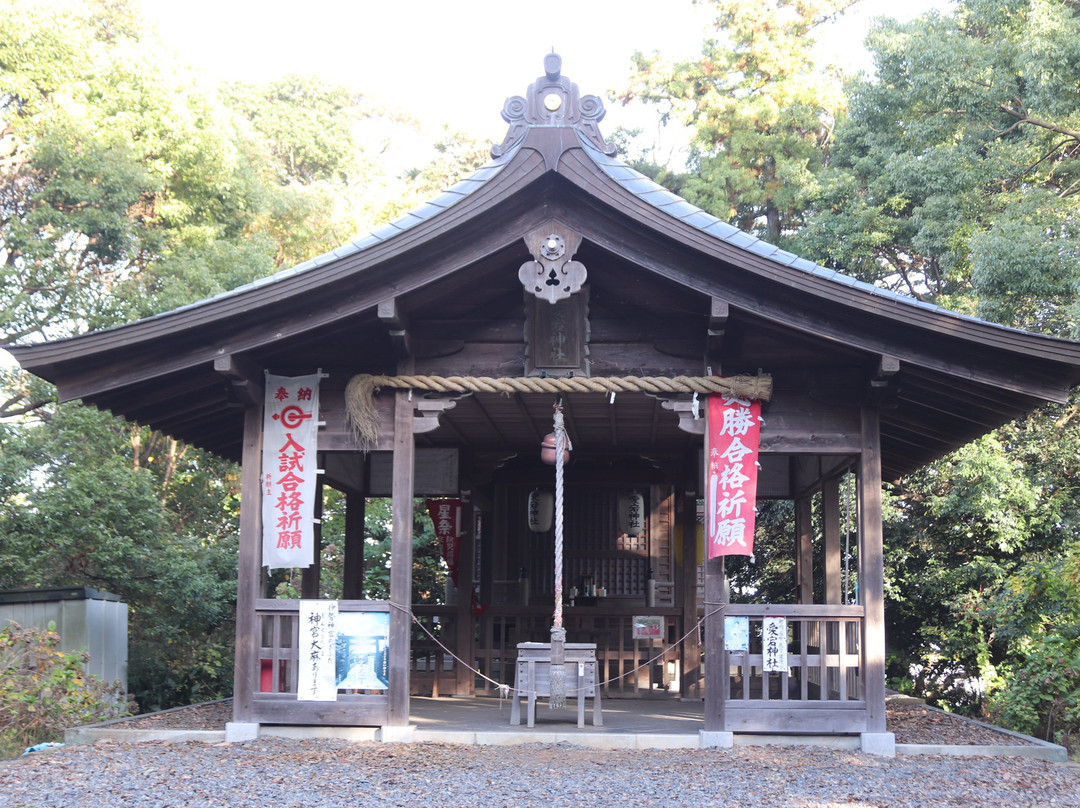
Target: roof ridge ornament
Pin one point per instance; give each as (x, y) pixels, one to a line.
(553, 101)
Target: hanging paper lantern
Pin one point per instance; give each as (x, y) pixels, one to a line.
(631, 514)
(541, 510)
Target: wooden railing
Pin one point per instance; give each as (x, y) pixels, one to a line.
(821, 689)
(623, 662)
(276, 679)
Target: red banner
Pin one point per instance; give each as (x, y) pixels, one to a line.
(734, 429)
(446, 517)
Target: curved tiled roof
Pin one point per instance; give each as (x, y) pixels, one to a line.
(678, 208)
(554, 162)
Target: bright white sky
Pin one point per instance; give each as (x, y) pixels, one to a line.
(454, 61)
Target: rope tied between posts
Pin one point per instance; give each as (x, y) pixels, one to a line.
(363, 419)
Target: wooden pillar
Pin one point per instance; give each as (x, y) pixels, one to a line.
(465, 684)
(717, 675)
(249, 569)
(401, 559)
(830, 513)
(872, 568)
(352, 587)
(311, 577)
(804, 549)
(690, 687)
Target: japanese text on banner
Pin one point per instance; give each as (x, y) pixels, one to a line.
(290, 432)
(317, 674)
(446, 518)
(774, 642)
(734, 429)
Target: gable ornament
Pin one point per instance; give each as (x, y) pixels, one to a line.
(552, 275)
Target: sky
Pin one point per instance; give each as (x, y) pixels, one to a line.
(456, 61)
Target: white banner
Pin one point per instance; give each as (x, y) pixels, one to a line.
(774, 641)
(317, 673)
(290, 442)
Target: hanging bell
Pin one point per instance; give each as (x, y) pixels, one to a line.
(547, 450)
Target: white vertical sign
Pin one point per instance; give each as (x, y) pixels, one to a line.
(290, 435)
(774, 643)
(317, 674)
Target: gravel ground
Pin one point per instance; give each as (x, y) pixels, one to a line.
(334, 774)
(911, 721)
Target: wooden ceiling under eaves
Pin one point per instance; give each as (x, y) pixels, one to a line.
(659, 271)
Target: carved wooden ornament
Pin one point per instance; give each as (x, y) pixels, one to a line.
(552, 276)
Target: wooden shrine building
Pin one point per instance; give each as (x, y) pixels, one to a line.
(558, 262)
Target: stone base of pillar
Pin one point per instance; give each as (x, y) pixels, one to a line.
(878, 743)
(237, 732)
(404, 734)
(720, 740)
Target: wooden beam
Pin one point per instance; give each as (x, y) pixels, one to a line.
(464, 634)
(717, 680)
(246, 381)
(882, 386)
(690, 687)
(311, 577)
(395, 319)
(804, 549)
(391, 314)
(830, 508)
(405, 342)
(719, 311)
(249, 570)
(717, 675)
(401, 559)
(353, 575)
(872, 568)
(888, 366)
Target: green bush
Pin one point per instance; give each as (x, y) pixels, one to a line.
(1042, 695)
(1037, 614)
(44, 690)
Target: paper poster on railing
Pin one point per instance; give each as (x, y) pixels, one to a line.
(734, 428)
(362, 643)
(316, 672)
(736, 633)
(290, 432)
(774, 642)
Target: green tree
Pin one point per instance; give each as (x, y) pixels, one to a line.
(428, 569)
(956, 176)
(762, 112)
(128, 188)
(1036, 614)
(112, 160)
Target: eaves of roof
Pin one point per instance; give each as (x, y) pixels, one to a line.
(782, 266)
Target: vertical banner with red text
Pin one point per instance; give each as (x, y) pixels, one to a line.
(734, 428)
(446, 517)
(290, 430)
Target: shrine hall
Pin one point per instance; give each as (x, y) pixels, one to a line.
(543, 354)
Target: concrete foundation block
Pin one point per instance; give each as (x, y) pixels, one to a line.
(236, 732)
(720, 740)
(878, 743)
(406, 734)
